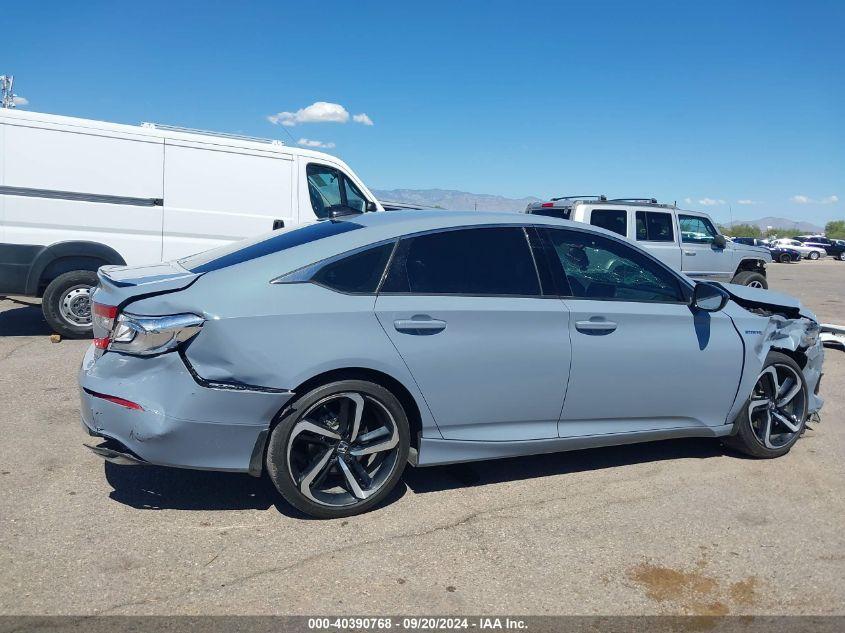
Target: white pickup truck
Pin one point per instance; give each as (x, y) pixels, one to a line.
(77, 194)
(688, 241)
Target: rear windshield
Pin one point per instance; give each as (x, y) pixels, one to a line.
(245, 250)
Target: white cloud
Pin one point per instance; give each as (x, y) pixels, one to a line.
(688, 200)
(362, 118)
(710, 202)
(307, 142)
(20, 101)
(747, 201)
(318, 112)
(808, 200)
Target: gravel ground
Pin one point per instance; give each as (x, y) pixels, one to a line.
(678, 527)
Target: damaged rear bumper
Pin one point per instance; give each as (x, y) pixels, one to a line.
(180, 422)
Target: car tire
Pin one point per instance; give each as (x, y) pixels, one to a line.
(751, 436)
(750, 278)
(842, 256)
(813, 255)
(66, 303)
(784, 258)
(311, 451)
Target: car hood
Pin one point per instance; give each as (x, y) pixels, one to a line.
(769, 300)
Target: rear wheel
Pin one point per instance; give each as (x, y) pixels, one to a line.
(66, 303)
(842, 256)
(813, 255)
(751, 279)
(773, 418)
(340, 449)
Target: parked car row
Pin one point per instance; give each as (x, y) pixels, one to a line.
(788, 249)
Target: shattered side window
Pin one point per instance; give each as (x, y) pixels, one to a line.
(600, 268)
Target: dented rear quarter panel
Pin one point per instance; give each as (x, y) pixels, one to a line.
(282, 335)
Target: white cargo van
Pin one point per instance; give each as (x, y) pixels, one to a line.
(77, 194)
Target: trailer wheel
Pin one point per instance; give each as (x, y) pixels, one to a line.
(66, 303)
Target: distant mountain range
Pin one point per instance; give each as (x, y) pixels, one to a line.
(454, 200)
(465, 201)
(780, 223)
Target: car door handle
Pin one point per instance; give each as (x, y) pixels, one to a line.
(419, 324)
(595, 327)
(690, 253)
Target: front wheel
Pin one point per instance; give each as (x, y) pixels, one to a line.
(340, 449)
(774, 416)
(813, 255)
(751, 279)
(66, 303)
(784, 258)
(842, 256)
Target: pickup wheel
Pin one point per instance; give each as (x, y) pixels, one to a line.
(751, 279)
(773, 417)
(66, 303)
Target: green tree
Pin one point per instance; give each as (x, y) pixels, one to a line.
(741, 230)
(835, 229)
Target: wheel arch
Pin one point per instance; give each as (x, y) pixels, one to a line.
(64, 257)
(402, 393)
(751, 264)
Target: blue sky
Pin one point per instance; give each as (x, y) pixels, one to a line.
(715, 102)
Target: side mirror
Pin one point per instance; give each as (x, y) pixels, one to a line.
(709, 297)
(371, 206)
(719, 241)
(341, 210)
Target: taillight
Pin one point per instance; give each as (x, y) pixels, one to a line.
(149, 335)
(103, 317)
(547, 205)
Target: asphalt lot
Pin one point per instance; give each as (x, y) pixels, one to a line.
(670, 527)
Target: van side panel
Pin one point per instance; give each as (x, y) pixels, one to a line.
(215, 194)
(70, 184)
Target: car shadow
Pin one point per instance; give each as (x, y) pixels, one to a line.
(439, 478)
(25, 319)
(159, 488)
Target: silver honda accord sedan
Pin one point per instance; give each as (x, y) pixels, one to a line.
(330, 356)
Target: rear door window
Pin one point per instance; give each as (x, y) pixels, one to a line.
(480, 261)
(615, 220)
(655, 226)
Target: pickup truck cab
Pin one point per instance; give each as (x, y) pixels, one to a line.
(688, 241)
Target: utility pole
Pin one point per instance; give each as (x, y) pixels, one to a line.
(8, 99)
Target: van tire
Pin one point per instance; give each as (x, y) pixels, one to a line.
(66, 302)
(750, 278)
